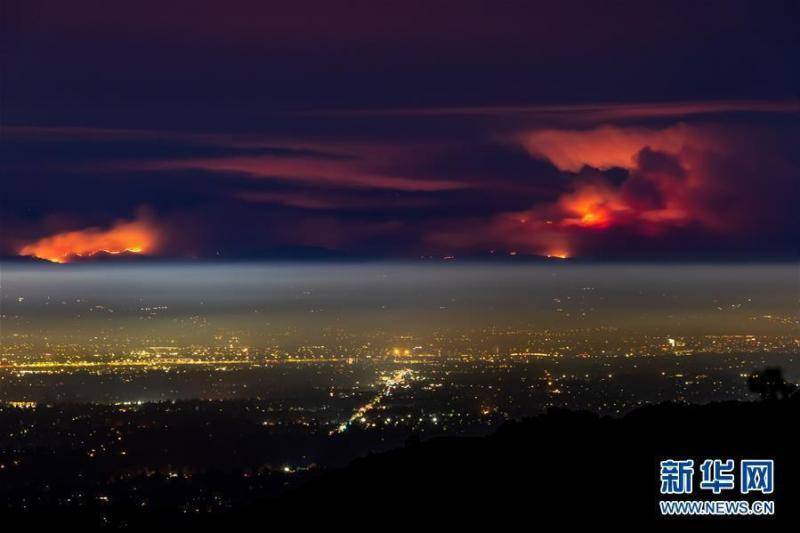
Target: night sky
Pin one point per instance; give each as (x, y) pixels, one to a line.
(257, 129)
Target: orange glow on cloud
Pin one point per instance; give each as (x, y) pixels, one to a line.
(670, 183)
(606, 146)
(665, 180)
(590, 206)
(137, 236)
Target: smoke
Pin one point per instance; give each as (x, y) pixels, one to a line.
(642, 184)
(138, 236)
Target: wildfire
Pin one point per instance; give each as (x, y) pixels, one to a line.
(595, 218)
(135, 237)
(590, 206)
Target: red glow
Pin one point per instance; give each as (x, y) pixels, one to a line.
(135, 237)
(672, 180)
(590, 206)
(606, 146)
(664, 182)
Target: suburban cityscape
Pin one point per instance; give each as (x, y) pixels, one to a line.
(118, 388)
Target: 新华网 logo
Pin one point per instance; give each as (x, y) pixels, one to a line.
(717, 475)
(677, 477)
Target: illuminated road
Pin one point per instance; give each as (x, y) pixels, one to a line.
(388, 385)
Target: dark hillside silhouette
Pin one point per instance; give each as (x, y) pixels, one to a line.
(556, 468)
(562, 466)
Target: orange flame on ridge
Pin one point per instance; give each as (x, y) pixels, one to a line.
(137, 236)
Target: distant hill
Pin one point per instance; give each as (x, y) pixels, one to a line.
(23, 259)
(101, 256)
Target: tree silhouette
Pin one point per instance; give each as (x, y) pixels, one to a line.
(770, 384)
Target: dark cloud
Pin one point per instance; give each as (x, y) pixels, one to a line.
(651, 161)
